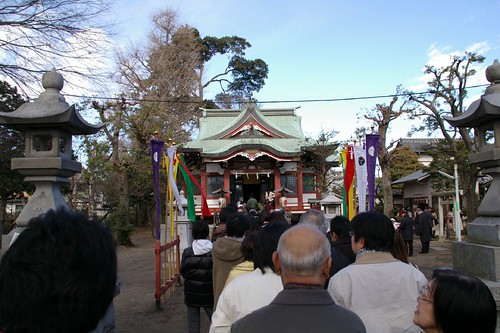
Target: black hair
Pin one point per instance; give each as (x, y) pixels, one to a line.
(264, 216)
(340, 226)
(376, 229)
(200, 229)
(248, 244)
(266, 243)
(277, 216)
(237, 224)
(58, 276)
(399, 250)
(225, 212)
(255, 225)
(462, 303)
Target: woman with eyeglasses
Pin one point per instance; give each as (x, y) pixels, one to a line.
(455, 302)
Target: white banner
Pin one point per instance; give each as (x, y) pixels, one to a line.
(361, 176)
(171, 152)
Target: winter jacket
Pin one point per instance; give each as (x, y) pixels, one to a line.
(339, 261)
(424, 224)
(406, 228)
(245, 267)
(344, 246)
(196, 269)
(226, 254)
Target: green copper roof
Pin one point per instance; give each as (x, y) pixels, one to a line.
(224, 131)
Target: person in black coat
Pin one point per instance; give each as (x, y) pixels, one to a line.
(423, 224)
(406, 230)
(196, 269)
(339, 234)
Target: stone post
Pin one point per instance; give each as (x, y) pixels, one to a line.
(480, 254)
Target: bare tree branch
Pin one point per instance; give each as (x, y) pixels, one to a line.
(36, 35)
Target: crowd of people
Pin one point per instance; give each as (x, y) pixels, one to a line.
(255, 273)
(422, 221)
(269, 275)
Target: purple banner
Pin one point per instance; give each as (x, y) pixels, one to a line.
(371, 160)
(156, 153)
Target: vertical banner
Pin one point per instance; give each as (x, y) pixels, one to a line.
(171, 153)
(191, 214)
(156, 153)
(371, 161)
(343, 160)
(348, 182)
(205, 211)
(361, 177)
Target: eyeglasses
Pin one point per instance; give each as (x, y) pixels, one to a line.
(423, 294)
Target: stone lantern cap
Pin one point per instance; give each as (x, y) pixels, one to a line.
(50, 109)
(486, 110)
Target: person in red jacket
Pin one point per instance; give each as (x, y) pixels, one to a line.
(196, 269)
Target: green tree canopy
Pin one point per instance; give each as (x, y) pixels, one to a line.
(404, 162)
(11, 146)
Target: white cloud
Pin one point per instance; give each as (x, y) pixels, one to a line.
(440, 56)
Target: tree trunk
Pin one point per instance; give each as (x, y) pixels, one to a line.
(124, 192)
(73, 202)
(387, 189)
(468, 179)
(383, 161)
(91, 199)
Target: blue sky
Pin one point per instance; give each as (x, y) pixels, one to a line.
(328, 49)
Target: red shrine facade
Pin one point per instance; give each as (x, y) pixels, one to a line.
(256, 152)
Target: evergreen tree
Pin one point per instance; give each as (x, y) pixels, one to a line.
(11, 146)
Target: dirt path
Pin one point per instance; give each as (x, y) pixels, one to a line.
(135, 308)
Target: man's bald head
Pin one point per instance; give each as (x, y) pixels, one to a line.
(303, 250)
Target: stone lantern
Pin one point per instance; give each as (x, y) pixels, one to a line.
(480, 254)
(47, 125)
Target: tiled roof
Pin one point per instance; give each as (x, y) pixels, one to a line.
(418, 176)
(330, 198)
(216, 126)
(419, 145)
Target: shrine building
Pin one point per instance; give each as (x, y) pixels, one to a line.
(251, 152)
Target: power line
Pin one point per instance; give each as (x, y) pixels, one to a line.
(341, 99)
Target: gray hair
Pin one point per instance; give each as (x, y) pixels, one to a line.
(303, 260)
(315, 217)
